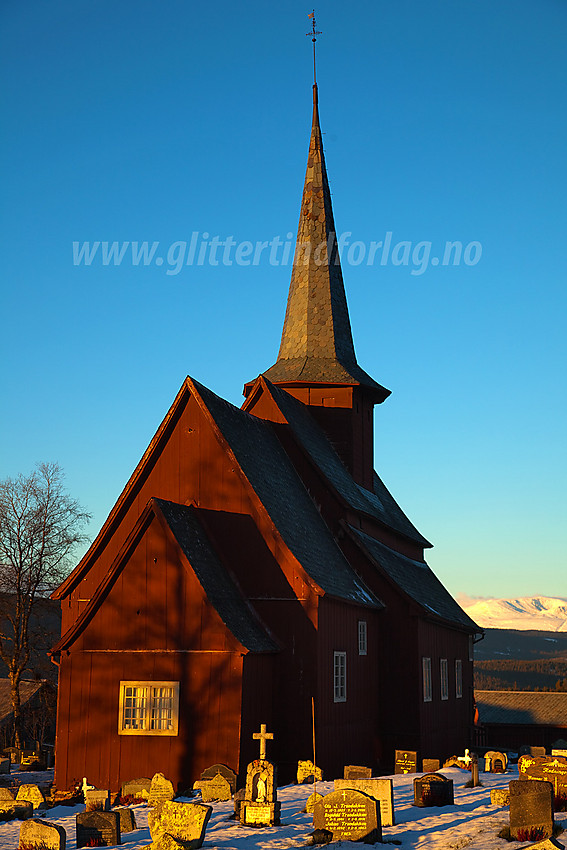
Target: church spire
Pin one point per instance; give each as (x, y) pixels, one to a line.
(316, 344)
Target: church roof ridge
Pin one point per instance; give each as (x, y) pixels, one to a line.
(317, 344)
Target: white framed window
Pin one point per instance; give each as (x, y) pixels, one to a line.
(148, 708)
(444, 670)
(426, 672)
(362, 637)
(458, 678)
(339, 676)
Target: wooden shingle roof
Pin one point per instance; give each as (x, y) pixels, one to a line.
(522, 708)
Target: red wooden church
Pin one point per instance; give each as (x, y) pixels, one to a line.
(255, 560)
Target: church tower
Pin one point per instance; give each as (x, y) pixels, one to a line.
(316, 361)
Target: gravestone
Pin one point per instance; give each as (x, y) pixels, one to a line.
(161, 790)
(101, 827)
(474, 772)
(356, 771)
(32, 794)
(5, 765)
(43, 835)
(308, 772)
(186, 822)
(499, 797)
(433, 789)
(224, 770)
(311, 800)
(430, 765)
(127, 820)
(168, 842)
(531, 809)
(350, 816)
(559, 752)
(15, 810)
(538, 752)
(380, 790)
(213, 789)
(137, 788)
(550, 769)
(97, 801)
(260, 806)
(238, 799)
(406, 762)
(6, 794)
(495, 762)
(546, 844)
(560, 744)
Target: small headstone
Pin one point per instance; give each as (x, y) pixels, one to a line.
(32, 794)
(495, 762)
(136, 788)
(308, 772)
(380, 790)
(499, 797)
(430, 765)
(433, 789)
(349, 815)
(356, 771)
(97, 801)
(560, 744)
(127, 820)
(224, 770)
(213, 789)
(43, 835)
(6, 794)
(260, 806)
(406, 762)
(161, 790)
(531, 809)
(453, 761)
(5, 765)
(537, 752)
(239, 797)
(311, 800)
(15, 810)
(185, 822)
(100, 827)
(557, 752)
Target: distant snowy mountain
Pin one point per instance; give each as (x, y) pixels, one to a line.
(542, 613)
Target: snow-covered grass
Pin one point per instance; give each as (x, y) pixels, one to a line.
(471, 823)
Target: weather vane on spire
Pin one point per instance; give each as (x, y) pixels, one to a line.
(314, 33)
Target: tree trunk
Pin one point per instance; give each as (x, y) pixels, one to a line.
(15, 700)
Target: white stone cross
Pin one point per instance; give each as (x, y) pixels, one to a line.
(263, 736)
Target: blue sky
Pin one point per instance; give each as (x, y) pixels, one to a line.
(442, 122)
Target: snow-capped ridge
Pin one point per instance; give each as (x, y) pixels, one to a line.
(540, 613)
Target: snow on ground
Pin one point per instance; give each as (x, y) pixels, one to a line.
(471, 823)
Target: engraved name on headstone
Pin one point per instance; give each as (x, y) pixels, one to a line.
(380, 790)
(406, 761)
(100, 827)
(349, 815)
(433, 789)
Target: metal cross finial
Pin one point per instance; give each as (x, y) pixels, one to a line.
(314, 33)
(263, 736)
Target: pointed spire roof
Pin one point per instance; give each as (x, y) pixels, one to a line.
(316, 345)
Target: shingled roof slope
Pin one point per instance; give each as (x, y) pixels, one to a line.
(316, 344)
(283, 494)
(417, 580)
(218, 585)
(538, 708)
(28, 690)
(380, 504)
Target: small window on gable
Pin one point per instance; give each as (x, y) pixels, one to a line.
(444, 670)
(426, 670)
(339, 676)
(362, 638)
(458, 678)
(148, 708)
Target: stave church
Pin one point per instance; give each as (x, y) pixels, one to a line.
(256, 569)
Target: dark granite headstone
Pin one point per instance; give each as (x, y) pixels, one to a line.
(433, 789)
(406, 761)
(238, 798)
(102, 827)
(227, 772)
(127, 820)
(531, 809)
(430, 765)
(356, 771)
(349, 815)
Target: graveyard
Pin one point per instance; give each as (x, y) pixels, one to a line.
(441, 810)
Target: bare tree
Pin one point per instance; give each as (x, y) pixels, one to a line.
(40, 526)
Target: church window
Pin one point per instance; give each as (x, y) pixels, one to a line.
(426, 668)
(458, 678)
(339, 676)
(362, 637)
(148, 708)
(444, 667)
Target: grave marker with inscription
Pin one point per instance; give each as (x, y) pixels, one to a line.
(531, 808)
(356, 771)
(430, 765)
(137, 787)
(380, 790)
(308, 772)
(406, 761)
(433, 789)
(42, 835)
(100, 827)
(186, 822)
(552, 770)
(32, 794)
(97, 801)
(260, 806)
(350, 816)
(224, 770)
(495, 762)
(127, 820)
(212, 790)
(161, 790)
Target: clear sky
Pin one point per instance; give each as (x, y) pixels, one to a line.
(442, 122)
